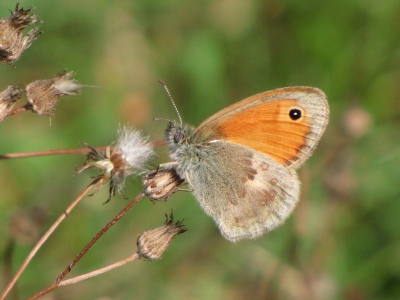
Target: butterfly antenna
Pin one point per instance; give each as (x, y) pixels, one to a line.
(161, 119)
(172, 100)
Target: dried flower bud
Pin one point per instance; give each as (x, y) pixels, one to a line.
(8, 99)
(26, 225)
(12, 42)
(128, 157)
(161, 184)
(153, 243)
(43, 95)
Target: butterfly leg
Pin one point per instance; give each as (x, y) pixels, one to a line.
(189, 182)
(169, 165)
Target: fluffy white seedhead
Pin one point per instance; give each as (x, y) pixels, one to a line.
(67, 86)
(136, 149)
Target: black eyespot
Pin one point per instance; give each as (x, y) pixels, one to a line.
(295, 114)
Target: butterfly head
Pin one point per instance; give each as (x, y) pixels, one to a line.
(177, 134)
(179, 138)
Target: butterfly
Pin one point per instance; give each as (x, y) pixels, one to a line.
(241, 162)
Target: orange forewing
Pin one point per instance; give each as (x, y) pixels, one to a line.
(248, 101)
(267, 128)
(263, 126)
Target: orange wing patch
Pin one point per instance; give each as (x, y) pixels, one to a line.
(267, 127)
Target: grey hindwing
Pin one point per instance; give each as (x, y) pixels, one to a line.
(247, 193)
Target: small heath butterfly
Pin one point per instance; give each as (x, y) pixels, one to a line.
(241, 162)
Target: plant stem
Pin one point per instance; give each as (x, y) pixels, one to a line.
(88, 246)
(44, 238)
(83, 277)
(99, 271)
(60, 152)
(44, 292)
(97, 236)
(48, 152)
(19, 110)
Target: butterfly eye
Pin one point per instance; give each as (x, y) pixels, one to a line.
(295, 114)
(178, 137)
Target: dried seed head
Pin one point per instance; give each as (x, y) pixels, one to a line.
(12, 42)
(8, 99)
(161, 184)
(43, 95)
(153, 243)
(118, 162)
(99, 160)
(136, 149)
(26, 225)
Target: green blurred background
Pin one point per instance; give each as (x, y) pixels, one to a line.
(343, 240)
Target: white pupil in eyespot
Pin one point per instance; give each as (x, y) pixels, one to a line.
(295, 114)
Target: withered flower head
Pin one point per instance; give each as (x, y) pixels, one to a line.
(12, 42)
(161, 184)
(153, 243)
(127, 157)
(43, 95)
(8, 99)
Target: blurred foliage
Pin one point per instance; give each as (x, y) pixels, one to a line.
(343, 240)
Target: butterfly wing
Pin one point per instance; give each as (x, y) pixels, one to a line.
(285, 124)
(245, 192)
(241, 162)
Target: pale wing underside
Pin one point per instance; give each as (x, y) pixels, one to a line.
(245, 192)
